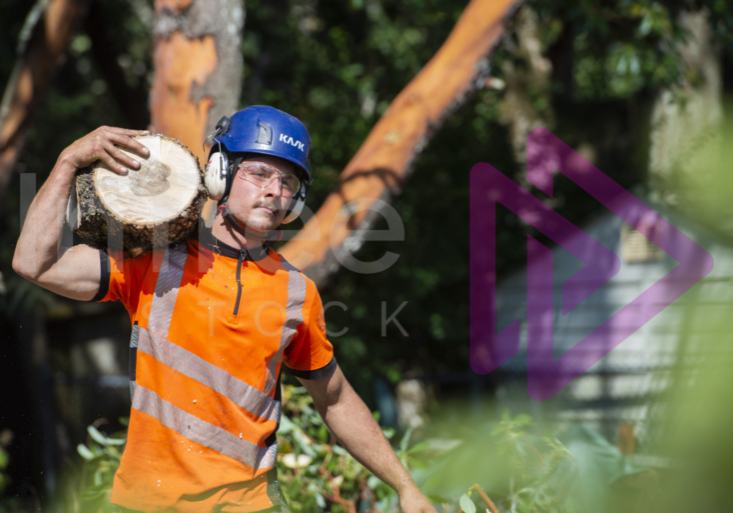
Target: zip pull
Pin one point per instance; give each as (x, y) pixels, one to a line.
(242, 257)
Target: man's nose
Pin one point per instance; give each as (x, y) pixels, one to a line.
(274, 187)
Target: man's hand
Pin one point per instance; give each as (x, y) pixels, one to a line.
(102, 144)
(413, 500)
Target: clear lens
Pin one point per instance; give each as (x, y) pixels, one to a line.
(263, 175)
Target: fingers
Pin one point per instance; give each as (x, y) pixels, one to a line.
(127, 142)
(118, 157)
(112, 164)
(107, 141)
(126, 131)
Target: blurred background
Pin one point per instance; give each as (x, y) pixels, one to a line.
(638, 87)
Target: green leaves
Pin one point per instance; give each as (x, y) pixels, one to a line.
(84, 452)
(4, 461)
(103, 440)
(312, 468)
(467, 504)
(101, 458)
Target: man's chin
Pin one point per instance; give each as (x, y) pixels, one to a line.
(262, 226)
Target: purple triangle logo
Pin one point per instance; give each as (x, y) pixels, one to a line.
(547, 374)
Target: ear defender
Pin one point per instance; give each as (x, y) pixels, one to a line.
(217, 169)
(215, 177)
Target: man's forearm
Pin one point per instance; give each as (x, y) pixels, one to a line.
(353, 425)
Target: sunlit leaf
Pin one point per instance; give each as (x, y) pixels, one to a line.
(467, 504)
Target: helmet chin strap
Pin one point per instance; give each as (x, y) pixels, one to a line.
(266, 235)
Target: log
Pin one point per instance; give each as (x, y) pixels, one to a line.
(155, 206)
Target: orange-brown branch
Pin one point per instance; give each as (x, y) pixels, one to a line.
(486, 498)
(31, 78)
(383, 162)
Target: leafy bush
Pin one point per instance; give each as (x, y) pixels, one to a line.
(102, 455)
(316, 474)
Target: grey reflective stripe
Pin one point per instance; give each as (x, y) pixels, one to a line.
(133, 343)
(293, 319)
(187, 363)
(166, 290)
(202, 432)
(135, 335)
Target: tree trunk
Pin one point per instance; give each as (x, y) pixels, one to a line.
(155, 206)
(40, 52)
(384, 161)
(198, 67)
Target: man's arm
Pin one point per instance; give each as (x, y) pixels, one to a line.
(353, 425)
(76, 273)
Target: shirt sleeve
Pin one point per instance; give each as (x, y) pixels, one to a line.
(119, 277)
(310, 355)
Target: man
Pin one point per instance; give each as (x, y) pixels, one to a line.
(214, 319)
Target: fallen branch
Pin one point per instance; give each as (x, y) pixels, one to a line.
(383, 163)
(336, 496)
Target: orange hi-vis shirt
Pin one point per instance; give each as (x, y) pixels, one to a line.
(212, 327)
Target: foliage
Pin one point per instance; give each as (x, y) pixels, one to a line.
(517, 471)
(4, 462)
(316, 474)
(529, 474)
(102, 455)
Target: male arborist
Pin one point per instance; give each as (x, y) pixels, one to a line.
(214, 320)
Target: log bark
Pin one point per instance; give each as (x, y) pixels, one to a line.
(38, 57)
(155, 206)
(384, 161)
(198, 67)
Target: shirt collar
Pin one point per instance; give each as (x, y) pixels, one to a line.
(210, 242)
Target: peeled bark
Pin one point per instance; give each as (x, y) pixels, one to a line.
(198, 67)
(384, 161)
(155, 206)
(39, 56)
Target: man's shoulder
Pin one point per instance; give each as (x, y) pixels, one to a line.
(287, 266)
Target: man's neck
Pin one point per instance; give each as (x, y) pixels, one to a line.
(226, 233)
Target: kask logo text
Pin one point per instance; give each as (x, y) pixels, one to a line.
(546, 374)
(292, 142)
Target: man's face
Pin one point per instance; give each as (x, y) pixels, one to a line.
(260, 208)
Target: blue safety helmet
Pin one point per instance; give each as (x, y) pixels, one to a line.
(268, 131)
(262, 130)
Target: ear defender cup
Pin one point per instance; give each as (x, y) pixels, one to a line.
(215, 177)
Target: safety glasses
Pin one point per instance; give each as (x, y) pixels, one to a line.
(262, 175)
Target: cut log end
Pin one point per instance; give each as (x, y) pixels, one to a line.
(154, 206)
